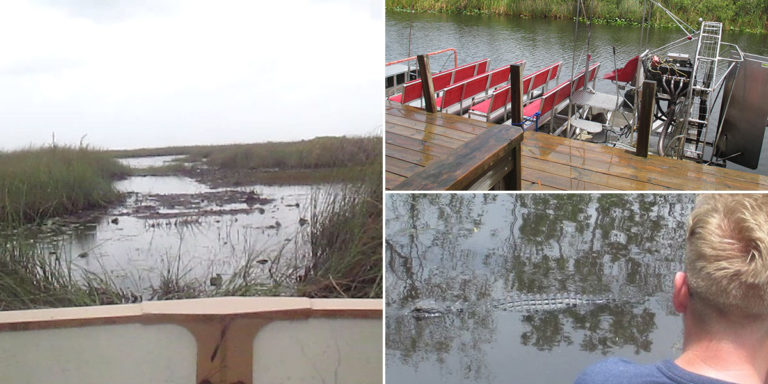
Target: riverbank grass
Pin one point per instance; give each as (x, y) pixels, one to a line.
(748, 15)
(40, 183)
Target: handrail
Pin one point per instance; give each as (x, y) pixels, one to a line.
(738, 50)
(455, 57)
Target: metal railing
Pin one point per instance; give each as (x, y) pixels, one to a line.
(455, 57)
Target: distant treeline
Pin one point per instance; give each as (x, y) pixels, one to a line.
(747, 15)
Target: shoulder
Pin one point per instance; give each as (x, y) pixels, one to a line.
(617, 370)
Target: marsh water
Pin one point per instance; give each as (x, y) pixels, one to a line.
(173, 226)
(505, 40)
(472, 249)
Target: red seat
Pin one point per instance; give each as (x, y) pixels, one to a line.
(626, 73)
(501, 75)
(442, 80)
(483, 106)
(555, 70)
(532, 108)
(451, 96)
(501, 97)
(412, 90)
(551, 99)
(476, 86)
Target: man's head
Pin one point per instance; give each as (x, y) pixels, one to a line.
(727, 255)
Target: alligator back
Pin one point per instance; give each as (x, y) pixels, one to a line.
(427, 308)
(543, 302)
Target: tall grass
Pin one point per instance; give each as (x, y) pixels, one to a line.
(39, 183)
(749, 15)
(32, 278)
(320, 152)
(345, 238)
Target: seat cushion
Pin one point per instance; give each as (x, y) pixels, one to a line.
(482, 107)
(438, 100)
(532, 108)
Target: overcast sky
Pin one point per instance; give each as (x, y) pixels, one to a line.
(149, 73)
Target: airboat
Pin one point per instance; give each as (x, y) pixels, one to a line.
(708, 105)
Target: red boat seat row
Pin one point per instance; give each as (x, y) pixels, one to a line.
(454, 97)
(545, 75)
(556, 96)
(441, 80)
(500, 99)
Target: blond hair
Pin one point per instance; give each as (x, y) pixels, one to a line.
(727, 258)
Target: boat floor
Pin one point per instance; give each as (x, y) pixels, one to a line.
(556, 163)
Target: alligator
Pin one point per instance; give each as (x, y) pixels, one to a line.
(428, 308)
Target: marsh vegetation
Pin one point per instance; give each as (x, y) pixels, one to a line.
(750, 15)
(332, 250)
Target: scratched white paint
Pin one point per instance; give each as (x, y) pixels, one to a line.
(319, 351)
(116, 354)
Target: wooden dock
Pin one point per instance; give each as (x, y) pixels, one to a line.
(548, 162)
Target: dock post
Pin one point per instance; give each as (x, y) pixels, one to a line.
(645, 117)
(516, 96)
(427, 88)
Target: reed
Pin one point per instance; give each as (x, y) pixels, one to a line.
(318, 153)
(31, 277)
(39, 183)
(315, 161)
(749, 15)
(345, 238)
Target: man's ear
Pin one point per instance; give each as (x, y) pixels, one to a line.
(681, 295)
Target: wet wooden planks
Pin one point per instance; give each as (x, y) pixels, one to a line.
(551, 162)
(415, 139)
(435, 151)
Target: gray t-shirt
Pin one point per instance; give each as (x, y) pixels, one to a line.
(617, 370)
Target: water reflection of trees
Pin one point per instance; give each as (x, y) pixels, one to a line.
(477, 248)
(601, 329)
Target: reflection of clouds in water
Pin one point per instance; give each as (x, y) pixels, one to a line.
(136, 251)
(458, 246)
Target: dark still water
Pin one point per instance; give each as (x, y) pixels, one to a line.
(505, 40)
(467, 260)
